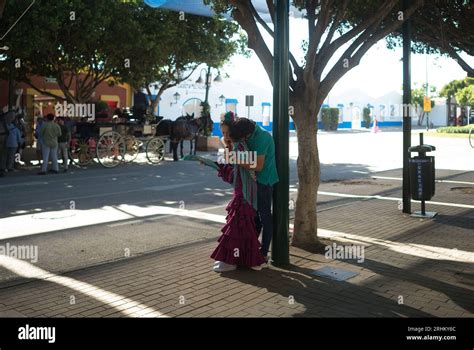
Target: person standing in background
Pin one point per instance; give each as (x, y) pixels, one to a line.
(39, 139)
(63, 143)
(50, 133)
(14, 141)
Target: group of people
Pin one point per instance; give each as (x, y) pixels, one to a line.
(249, 213)
(50, 135)
(14, 143)
(52, 138)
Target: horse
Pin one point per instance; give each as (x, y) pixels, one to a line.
(187, 128)
(183, 128)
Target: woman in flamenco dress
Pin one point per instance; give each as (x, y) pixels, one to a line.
(238, 244)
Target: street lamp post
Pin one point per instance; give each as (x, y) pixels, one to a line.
(407, 35)
(280, 242)
(207, 82)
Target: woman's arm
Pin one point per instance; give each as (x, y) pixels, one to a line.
(226, 172)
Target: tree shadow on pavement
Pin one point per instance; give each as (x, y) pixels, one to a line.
(323, 297)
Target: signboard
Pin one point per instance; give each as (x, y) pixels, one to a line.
(426, 104)
(50, 80)
(249, 101)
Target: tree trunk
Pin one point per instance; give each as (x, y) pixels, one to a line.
(305, 226)
(2, 7)
(154, 102)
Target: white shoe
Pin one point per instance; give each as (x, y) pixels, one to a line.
(223, 267)
(257, 268)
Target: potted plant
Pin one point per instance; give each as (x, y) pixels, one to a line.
(207, 142)
(330, 118)
(334, 118)
(326, 118)
(366, 116)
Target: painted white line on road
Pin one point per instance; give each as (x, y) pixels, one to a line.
(46, 222)
(138, 211)
(440, 181)
(165, 216)
(144, 189)
(414, 249)
(345, 195)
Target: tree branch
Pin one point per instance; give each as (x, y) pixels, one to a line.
(464, 65)
(271, 10)
(42, 91)
(325, 54)
(362, 44)
(259, 19)
(243, 15)
(316, 36)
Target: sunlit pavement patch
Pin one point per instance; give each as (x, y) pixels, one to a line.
(334, 273)
(126, 306)
(25, 225)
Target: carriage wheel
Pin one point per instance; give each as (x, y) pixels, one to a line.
(132, 148)
(155, 150)
(110, 149)
(80, 152)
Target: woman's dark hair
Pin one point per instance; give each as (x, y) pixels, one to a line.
(241, 128)
(50, 116)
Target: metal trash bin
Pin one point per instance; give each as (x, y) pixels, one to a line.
(422, 176)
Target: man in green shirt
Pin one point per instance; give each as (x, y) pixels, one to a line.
(50, 132)
(261, 142)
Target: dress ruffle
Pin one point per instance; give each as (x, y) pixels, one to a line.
(238, 244)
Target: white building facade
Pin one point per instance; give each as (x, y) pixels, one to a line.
(230, 95)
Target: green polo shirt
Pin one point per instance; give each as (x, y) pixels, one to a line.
(262, 142)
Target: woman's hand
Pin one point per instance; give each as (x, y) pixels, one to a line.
(227, 143)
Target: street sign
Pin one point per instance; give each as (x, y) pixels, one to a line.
(426, 104)
(249, 101)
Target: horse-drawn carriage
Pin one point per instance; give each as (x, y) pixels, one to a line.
(112, 143)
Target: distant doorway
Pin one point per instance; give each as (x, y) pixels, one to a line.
(356, 117)
(193, 105)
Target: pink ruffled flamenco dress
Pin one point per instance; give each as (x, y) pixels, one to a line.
(238, 244)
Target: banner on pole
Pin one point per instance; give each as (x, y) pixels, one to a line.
(426, 104)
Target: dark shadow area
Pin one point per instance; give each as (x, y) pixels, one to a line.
(324, 297)
(464, 220)
(460, 296)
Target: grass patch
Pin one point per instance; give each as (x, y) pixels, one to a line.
(433, 133)
(455, 129)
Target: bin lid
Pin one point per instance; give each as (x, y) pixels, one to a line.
(422, 148)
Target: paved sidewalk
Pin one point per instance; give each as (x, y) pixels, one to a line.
(412, 268)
